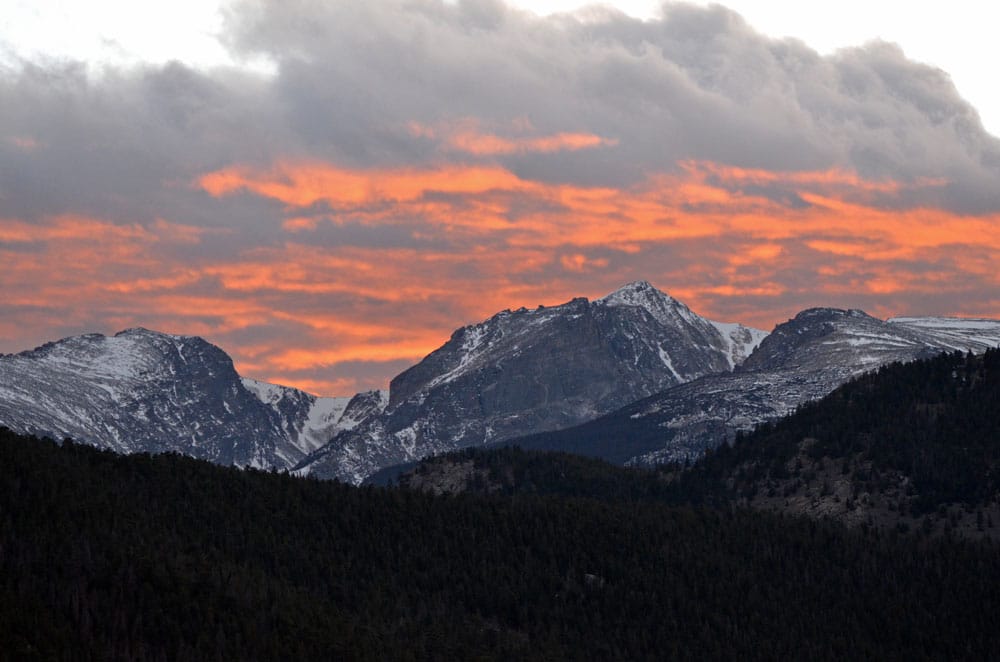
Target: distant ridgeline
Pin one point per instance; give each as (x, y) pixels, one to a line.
(166, 557)
(909, 446)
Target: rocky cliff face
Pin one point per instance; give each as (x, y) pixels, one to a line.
(525, 371)
(683, 328)
(143, 391)
(306, 421)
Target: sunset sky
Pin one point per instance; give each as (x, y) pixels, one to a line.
(327, 189)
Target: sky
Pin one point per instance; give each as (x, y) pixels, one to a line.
(327, 190)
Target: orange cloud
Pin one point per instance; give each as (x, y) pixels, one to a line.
(580, 263)
(756, 253)
(310, 305)
(300, 223)
(303, 184)
(827, 178)
(88, 230)
(468, 136)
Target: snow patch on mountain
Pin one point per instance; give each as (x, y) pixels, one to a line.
(740, 340)
(362, 407)
(308, 421)
(958, 333)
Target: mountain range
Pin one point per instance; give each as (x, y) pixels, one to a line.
(635, 377)
(801, 360)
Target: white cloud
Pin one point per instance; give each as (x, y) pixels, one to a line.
(116, 32)
(956, 36)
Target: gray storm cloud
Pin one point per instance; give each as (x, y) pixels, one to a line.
(699, 84)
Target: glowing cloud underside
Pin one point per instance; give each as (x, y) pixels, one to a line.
(750, 244)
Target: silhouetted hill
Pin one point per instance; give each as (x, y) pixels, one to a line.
(165, 557)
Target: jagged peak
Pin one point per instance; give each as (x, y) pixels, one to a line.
(637, 293)
(666, 309)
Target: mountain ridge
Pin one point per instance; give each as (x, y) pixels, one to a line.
(145, 391)
(636, 354)
(801, 360)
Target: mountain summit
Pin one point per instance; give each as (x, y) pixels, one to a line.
(527, 371)
(737, 340)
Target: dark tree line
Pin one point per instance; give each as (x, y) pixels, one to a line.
(106, 557)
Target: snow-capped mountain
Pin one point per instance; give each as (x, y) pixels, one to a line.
(801, 360)
(649, 380)
(143, 391)
(526, 371)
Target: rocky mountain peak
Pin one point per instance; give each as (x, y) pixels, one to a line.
(137, 354)
(737, 341)
(830, 314)
(143, 331)
(639, 293)
(524, 371)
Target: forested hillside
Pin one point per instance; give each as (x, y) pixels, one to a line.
(913, 445)
(108, 557)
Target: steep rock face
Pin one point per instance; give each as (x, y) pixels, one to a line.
(362, 407)
(803, 359)
(530, 370)
(307, 421)
(735, 341)
(143, 391)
